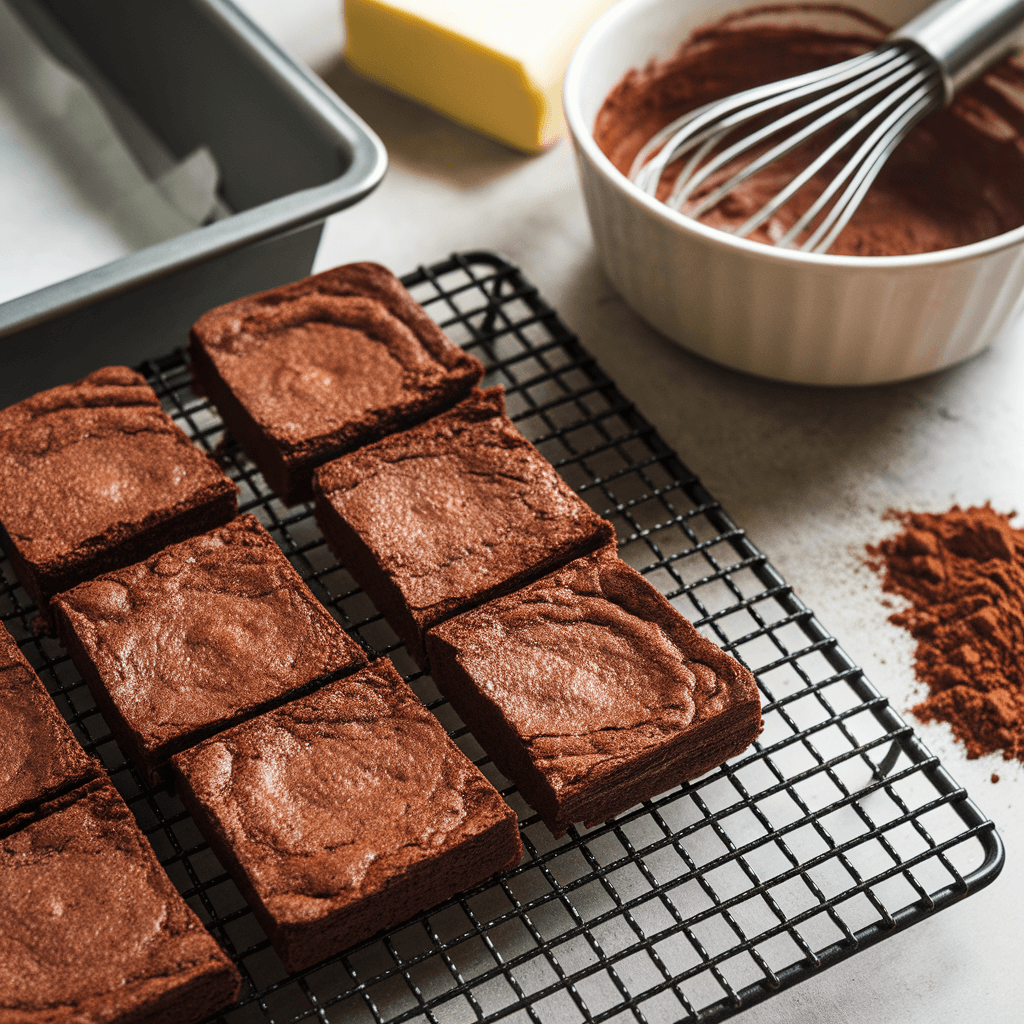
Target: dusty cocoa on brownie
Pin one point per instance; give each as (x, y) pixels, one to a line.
(94, 475)
(345, 812)
(197, 637)
(450, 513)
(93, 930)
(303, 373)
(591, 692)
(40, 756)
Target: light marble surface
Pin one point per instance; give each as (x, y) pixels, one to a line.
(808, 473)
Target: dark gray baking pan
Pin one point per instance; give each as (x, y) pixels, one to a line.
(196, 73)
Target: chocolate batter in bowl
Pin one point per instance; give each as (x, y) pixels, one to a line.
(958, 178)
(926, 274)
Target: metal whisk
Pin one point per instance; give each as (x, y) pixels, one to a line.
(872, 101)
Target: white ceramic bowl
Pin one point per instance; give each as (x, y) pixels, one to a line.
(777, 313)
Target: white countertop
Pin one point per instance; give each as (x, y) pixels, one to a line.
(807, 472)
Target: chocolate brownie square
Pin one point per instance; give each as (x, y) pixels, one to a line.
(302, 374)
(449, 514)
(345, 812)
(93, 930)
(94, 475)
(197, 637)
(40, 756)
(591, 692)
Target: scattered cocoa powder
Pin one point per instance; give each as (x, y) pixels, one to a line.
(963, 572)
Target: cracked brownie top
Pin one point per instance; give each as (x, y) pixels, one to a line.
(591, 665)
(87, 465)
(40, 754)
(455, 510)
(93, 927)
(200, 633)
(331, 353)
(327, 799)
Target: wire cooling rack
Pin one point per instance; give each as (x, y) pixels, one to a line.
(836, 829)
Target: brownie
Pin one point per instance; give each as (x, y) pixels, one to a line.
(197, 637)
(449, 514)
(591, 692)
(40, 756)
(302, 374)
(345, 812)
(94, 475)
(94, 931)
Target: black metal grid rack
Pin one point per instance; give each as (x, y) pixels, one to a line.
(836, 829)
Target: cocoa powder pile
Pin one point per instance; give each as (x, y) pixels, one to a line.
(963, 572)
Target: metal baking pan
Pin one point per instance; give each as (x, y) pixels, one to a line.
(195, 72)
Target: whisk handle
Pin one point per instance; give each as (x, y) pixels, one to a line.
(966, 37)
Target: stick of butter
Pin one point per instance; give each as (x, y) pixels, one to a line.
(494, 65)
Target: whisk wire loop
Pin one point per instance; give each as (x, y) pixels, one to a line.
(918, 107)
(836, 102)
(647, 169)
(849, 170)
(901, 92)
